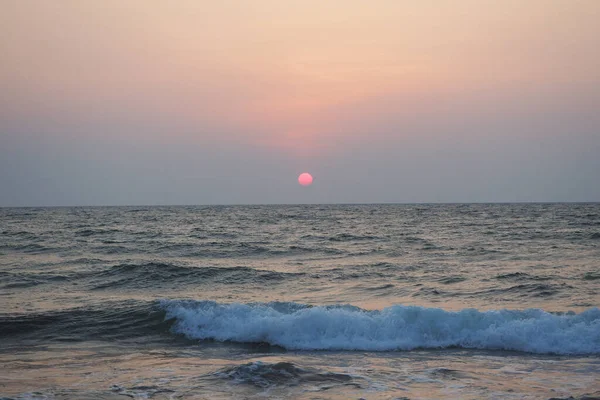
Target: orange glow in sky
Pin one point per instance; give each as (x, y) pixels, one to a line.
(266, 71)
(387, 100)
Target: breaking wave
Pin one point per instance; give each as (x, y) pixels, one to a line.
(344, 327)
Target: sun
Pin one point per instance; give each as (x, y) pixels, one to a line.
(305, 179)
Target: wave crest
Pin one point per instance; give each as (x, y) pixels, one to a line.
(301, 327)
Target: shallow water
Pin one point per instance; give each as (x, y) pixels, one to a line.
(333, 301)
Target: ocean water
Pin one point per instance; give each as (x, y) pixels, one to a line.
(466, 301)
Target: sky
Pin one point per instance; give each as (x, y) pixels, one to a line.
(151, 102)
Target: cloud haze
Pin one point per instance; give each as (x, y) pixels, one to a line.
(191, 102)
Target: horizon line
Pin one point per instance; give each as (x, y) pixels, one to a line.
(304, 204)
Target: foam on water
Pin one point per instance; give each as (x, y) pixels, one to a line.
(300, 327)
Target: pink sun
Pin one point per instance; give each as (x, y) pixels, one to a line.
(305, 179)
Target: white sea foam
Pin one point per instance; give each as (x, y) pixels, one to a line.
(299, 327)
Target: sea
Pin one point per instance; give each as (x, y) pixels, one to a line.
(392, 301)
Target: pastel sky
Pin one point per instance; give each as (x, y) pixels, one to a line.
(112, 102)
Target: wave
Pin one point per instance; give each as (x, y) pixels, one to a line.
(110, 321)
(449, 280)
(10, 280)
(296, 326)
(146, 275)
(537, 290)
(301, 327)
(93, 232)
(591, 276)
(347, 237)
(524, 290)
(236, 249)
(520, 276)
(154, 274)
(514, 276)
(30, 248)
(264, 375)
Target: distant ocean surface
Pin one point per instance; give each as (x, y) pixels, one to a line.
(465, 301)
